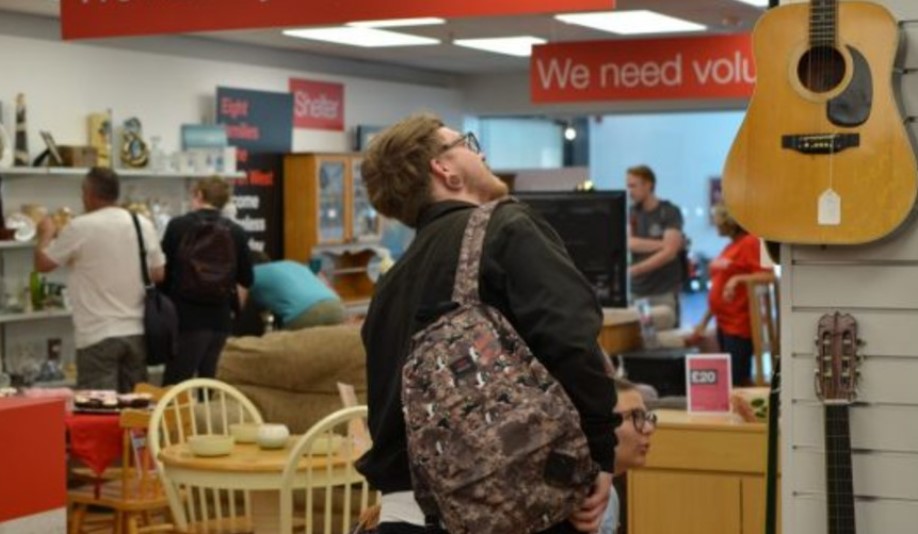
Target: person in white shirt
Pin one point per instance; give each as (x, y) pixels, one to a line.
(633, 435)
(101, 251)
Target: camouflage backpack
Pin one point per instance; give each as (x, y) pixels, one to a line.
(494, 443)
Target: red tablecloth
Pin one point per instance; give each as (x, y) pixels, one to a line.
(95, 440)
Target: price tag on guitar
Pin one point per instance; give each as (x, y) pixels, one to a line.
(829, 212)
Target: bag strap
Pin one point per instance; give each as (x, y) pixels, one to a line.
(465, 288)
(771, 474)
(143, 252)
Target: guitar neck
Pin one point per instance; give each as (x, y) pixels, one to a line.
(839, 489)
(823, 22)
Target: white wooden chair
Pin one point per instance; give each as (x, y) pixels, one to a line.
(328, 488)
(195, 407)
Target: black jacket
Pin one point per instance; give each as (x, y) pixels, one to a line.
(194, 315)
(526, 274)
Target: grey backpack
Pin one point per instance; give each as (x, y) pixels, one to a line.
(494, 443)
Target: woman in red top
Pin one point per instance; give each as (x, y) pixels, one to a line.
(739, 262)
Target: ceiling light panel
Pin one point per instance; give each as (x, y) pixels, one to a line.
(756, 3)
(520, 46)
(398, 23)
(631, 22)
(363, 37)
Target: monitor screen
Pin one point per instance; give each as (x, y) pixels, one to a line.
(592, 225)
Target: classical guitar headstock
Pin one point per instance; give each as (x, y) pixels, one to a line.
(837, 359)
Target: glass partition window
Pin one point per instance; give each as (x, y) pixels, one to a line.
(331, 201)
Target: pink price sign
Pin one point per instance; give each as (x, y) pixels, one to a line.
(708, 383)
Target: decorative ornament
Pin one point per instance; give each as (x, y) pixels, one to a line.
(100, 136)
(22, 140)
(134, 151)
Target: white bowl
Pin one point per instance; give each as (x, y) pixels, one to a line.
(211, 445)
(272, 436)
(245, 432)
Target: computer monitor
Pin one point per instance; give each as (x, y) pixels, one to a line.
(592, 225)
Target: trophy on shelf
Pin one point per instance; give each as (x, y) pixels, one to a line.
(100, 136)
(21, 158)
(6, 145)
(134, 150)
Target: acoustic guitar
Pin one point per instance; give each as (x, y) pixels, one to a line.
(836, 383)
(822, 156)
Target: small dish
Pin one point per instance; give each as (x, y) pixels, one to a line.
(23, 225)
(211, 445)
(245, 432)
(272, 436)
(326, 444)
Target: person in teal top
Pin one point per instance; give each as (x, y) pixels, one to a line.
(296, 296)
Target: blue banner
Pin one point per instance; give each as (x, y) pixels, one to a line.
(260, 125)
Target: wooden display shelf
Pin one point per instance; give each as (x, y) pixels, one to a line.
(16, 245)
(34, 316)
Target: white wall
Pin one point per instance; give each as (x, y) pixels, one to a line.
(166, 82)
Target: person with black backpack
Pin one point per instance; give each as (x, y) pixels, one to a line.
(207, 259)
(437, 390)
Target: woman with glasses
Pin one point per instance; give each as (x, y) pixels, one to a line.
(633, 435)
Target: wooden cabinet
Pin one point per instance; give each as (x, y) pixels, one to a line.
(328, 215)
(325, 203)
(704, 474)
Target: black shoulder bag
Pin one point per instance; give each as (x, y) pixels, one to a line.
(160, 321)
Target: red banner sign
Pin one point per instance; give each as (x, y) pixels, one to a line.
(646, 69)
(317, 105)
(81, 19)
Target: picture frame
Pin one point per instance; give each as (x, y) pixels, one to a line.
(51, 145)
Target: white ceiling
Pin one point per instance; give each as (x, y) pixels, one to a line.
(720, 16)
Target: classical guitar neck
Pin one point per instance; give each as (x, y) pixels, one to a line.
(840, 488)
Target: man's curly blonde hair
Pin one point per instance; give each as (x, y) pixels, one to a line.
(396, 167)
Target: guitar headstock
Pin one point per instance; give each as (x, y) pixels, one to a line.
(837, 359)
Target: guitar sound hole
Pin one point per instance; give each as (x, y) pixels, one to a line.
(821, 69)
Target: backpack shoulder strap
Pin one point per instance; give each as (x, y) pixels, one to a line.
(465, 288)
(143, 252)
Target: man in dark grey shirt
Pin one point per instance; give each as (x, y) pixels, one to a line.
(655, 240)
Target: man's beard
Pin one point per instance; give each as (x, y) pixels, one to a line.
(500, 189)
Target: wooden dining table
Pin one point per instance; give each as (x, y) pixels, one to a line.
(247, 467)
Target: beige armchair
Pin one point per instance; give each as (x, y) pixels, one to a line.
(292, 376)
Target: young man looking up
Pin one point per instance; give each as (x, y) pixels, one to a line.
(431, 178)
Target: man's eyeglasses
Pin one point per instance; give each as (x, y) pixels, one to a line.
(640, 418)
(469, 140)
